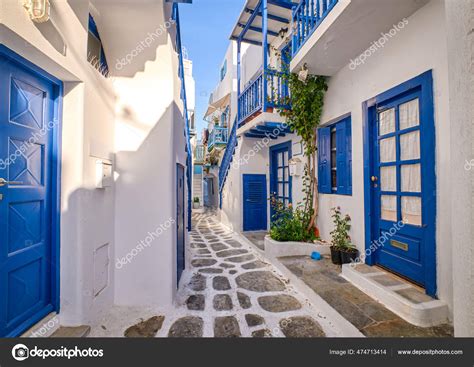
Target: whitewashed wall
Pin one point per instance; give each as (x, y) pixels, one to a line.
(460, 22)
(419, 47)
(96, 113)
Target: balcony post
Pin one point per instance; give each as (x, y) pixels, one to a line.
(265, 53)
(238, 79)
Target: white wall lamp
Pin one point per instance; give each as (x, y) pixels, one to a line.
(38, 10)
(303, 74)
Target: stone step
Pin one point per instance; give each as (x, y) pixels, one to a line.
(398, 295)
(72, 332)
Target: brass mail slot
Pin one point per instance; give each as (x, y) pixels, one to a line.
(400, 245)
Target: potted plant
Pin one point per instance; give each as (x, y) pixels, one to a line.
(342, 249)
(196, 203)
(288, 223)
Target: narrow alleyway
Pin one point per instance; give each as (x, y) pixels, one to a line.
(227, 290)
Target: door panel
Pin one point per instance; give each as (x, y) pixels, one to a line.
(180, 221)
(400, 191)
(280, 179)
(255, 202)
(26, 131)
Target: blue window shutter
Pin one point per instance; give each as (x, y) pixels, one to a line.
(324, 163)
(341, 162)
(349, 155)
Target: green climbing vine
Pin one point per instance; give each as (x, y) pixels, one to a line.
(307, 102)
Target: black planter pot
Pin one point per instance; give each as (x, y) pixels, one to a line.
(336, 256)
(349, 256)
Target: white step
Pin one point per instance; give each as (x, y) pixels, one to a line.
(398, 295)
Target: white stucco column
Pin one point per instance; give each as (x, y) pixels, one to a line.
(460, 38)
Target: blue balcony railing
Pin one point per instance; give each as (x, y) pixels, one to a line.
(218, 137)
(307, 16)
(251, 100)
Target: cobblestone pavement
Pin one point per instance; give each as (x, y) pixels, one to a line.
(227, 290)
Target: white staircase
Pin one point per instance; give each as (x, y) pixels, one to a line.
(197, 187)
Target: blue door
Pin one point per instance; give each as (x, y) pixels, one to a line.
(180, 220)
(403, 185)
(255, 202)
(27, 112)
(208, 192)
(280, 179)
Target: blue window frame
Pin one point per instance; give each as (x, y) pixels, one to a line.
(95, 51)
(224, 70)
(335, 158)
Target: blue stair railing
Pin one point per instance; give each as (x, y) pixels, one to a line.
(227, 159)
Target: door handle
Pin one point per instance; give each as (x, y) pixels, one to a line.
(4, 182)
(374, 178)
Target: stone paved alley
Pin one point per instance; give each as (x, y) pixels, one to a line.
(227, 290)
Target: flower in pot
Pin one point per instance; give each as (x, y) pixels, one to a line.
(196, 203)
(342, 249)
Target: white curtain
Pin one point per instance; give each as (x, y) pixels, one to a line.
(410, 146)
(389, 207)
(388, 178)
(409, 114)
(411, 178)
(411, 210)
(387, 122)
(387, 150)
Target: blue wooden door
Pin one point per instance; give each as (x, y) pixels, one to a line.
(280, 179)
(26, 151)
(180, 235)
(255, 202)
(403, 185)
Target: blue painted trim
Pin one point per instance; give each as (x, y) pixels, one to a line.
(245, 40)
(250, 20)
(343, 127)
(95, 32)
(287, 145)
(58, 90)
(245, 212)
(270, 16)
(187, 132)
(258, 30)
(424, 82)
(265, 52)
(282, 3)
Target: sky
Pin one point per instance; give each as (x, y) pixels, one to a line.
(205, 29)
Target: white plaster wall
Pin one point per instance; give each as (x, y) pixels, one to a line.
(419, 47)
(460, 39)
(101, 116)
(88, 126)
(149, 144)
(251, 63)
